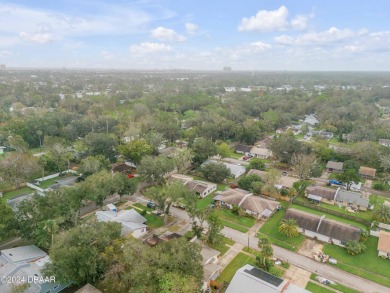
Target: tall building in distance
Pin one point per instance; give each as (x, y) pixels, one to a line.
(2, 66)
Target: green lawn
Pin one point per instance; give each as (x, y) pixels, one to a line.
(270, 229)
(223, 247)
(377, 200)
(15, 193)
(336, 286)
(205, 202)
(243, 221)
(235, 155)
(235, 226)
(312, 287)
(154, 221)
(367, 265)
(239, 261)
(329, 216)
(142, 207)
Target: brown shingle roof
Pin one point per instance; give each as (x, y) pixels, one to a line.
(258, 205)
(327, 227)
(334, 165)
(233, 196)
(384, 241)
(366, 171)
(324, 192)
(304, 220)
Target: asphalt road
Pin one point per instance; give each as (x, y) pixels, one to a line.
(296, 259)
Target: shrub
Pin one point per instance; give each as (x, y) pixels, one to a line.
(379, 186)
(354, 247)
(143, 212)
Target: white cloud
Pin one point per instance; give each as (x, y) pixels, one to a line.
(273, 20)
(191, 28)
(329, 36)
(166, 34)
(38, 38)
(149, 48)
(266, 20)
(108, 55)
(5, 54)
(251, 49)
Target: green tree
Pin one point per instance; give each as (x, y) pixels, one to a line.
(354, 247)
(382, 214)
(289, 228)
(351, 165)
(155, 169)
(17, 143)
(124, 185)
(215, 226)
(348, 176)
(246, 181)
(223, 150)
(284, 146)
(203, 149)
(215, 172)
(256, 163)
(264, 259)
(77, 254)
(178, 283)
(7, 220)
(135, 150)
(101, 144)
(183, 160)
(303, 164)
(175, 192)
(93, 164)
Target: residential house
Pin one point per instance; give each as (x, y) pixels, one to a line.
(2, 148)
(27, 262)
(243, 149)
(88, 288)
(211, 270)
(283, 182)
(260, 152)
(250, 279)
(385, 142)
(367, 172)
(338, 196)
(323, 229)
(169, 151)
(321, 194)
(322, 134)
(235, 170)
(132, 222)
(201, 188)
(256, 206)
(124, 168)
(311, 120)
(384, 244)
(332, 166)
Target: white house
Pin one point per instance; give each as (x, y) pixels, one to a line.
(201, 188)
(235, 170)
(260, 152)
(385, 142)
(131, 221)
(26, 263)
(249, 279)
(311, 120)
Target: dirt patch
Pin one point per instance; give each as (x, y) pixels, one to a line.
(297, 276)
(368, 184)
(310, 247)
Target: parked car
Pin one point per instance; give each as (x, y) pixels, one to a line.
(150, 205)
(335, 182)
(130, 176)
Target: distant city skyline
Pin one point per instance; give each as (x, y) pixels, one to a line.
(199, 35)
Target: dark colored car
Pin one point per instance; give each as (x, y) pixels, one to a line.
(150, 205)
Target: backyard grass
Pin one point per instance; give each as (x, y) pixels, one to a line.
(243, 221)
(142, 207)
(336, 286)
(365, 215)
(367, 265)
(235, 226)
(239, 261)
(270, 229)
(16, 192)
(313, 287)
(329, 216)
(235, 155)
(154, 221)
(205, 202)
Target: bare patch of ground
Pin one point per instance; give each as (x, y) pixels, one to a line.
(310, 247)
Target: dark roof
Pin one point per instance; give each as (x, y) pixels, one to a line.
(170, 237)
(339, 231)
(324, 192)
(304, 220)
(327, 227)
(122, 167)
(267, 277)
(243, 148)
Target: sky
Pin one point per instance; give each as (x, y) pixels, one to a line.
(296, 35)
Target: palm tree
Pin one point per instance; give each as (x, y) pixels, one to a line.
(266, 253)
(289, 227)
(382, 214)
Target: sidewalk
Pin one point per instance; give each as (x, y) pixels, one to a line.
(224, 260)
